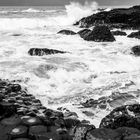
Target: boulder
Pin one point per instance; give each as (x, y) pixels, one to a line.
(43, 51)
(119, 33)
(66, 32)
(124, 116)
(84, 32)
(125, 18)
(30, 121)
(102, 134)
(81, 130)
(19, 132)
(100, 34)
(136, 50)
(134, 35)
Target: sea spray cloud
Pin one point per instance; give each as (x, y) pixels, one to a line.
(76, 11)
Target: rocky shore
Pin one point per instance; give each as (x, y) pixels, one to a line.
(23, 117)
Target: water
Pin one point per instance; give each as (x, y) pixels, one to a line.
(89, 70)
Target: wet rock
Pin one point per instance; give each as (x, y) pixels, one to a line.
(83, 33)
(19, 132)
(119, 33)
(134, 35)
(136, 50)
(100, 34)
(102, 134)
(81, 131)
(124, 116)
(69, 122)
(37, 131)
(14, 87)
(124, 18)
(43, 51)
(66, 32)
(30, 121)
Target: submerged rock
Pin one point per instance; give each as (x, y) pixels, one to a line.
(43, 51)
(136, 50)
(134, 35)
(121, 33)
(66, 32)
(116, 18)
(124, 116)
(100, 34)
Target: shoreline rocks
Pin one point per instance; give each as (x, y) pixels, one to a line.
(26, 119)
(99, 34)
(124, 18)
(43, 51)
(67, 32)
(136, 50)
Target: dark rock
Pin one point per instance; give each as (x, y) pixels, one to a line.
(11, 121)
(30, 121)
(7, 109)
(66, 32)
(126, 131)
(132, 137)
(100, 34)
(17, 34)
(136, 50)
(14, 87)
(134, 35)
(102, 134)
(119, 33)
(19, 132)
(83, 33)
(81, 131)
(69, 122)
(43, 51)
(124, 116)
(125, 18)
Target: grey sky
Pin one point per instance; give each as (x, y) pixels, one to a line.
(63, 2)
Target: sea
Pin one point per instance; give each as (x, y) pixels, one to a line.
(89, 70)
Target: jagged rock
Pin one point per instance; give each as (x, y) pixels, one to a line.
(81, 131)
(136, 50)
(83, 33)
(102, 134)
(14, 87)
(125, 18)
(100, 34)
(66, 32)
(134, 35)
(43, 51)
(19, 132)
(119, 33)
(124, 116)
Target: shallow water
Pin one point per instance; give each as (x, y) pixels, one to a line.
(88, 70)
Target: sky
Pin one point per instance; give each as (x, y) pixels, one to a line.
(64, 2)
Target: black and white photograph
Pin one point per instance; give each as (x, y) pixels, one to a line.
(69, 69)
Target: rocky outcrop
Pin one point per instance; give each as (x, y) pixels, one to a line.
(66, 32)
(124, 116)
(134, 35)
(43, 51)
(136, 50)
(83, 33)
(100, 34)
(119, 33)
(125, 18)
